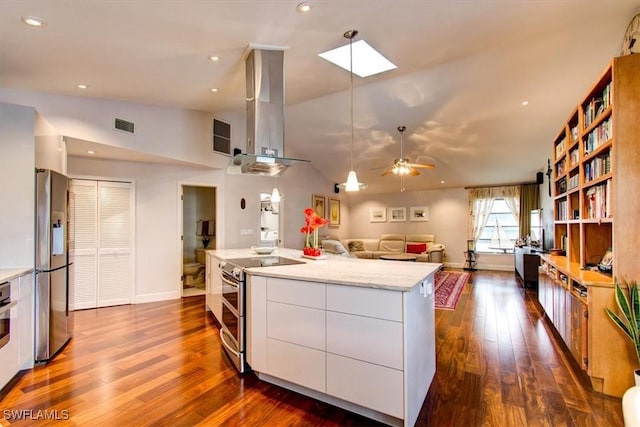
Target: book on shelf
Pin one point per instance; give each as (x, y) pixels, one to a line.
(562, 210)
(560, 148)
(574, 156)
(598, 166)
(574, 181)
(597, 105)
(598, 136)
(561, 186)
(574, 133)
(598, 201)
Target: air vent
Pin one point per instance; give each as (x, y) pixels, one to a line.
(221, 136)
(124, 125)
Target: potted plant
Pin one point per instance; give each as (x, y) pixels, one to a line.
(629, 323)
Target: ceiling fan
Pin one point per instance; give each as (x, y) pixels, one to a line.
(403, 166)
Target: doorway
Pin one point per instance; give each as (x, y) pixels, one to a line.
(198, 235)
(269, 221)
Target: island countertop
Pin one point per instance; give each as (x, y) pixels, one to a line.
(372, 273)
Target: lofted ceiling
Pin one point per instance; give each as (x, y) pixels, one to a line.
(464, 69)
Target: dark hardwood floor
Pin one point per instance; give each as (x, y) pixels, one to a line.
(161, 364)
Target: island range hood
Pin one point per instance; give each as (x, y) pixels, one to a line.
(265, 117)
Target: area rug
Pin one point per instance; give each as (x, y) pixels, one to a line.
(449, 286)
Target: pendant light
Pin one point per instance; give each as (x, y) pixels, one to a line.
(275, 194)
(352, 183)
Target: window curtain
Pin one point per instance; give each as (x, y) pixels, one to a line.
(529, 200)
(481, 202)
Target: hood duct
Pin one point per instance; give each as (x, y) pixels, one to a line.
(265, 117)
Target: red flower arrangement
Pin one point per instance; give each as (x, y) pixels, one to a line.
(312, 222)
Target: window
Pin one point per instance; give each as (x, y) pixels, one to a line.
(494, 214)
(500, 224)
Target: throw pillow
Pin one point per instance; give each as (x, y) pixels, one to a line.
(356, 246)
(416, 248)
(333, 246)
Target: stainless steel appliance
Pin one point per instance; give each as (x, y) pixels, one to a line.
(5, 313)
(265, 116)
(232, 332)
(54, 320)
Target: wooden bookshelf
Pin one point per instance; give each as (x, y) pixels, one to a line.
(596, 176)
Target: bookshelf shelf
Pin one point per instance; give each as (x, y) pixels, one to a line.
(596, 176)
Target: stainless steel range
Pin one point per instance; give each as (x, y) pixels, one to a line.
(232, 333)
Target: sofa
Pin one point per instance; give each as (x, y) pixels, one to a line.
(423, 246)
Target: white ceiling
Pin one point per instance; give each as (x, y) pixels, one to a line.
(464, 67)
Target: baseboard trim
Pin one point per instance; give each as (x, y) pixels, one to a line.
(161, 296)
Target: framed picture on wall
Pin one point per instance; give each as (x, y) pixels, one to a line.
(377, 215)
(397, 214)
(334, 212)
(318, 203)
(419, 213)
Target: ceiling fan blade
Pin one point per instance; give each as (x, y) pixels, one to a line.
(388, 171)
(413, 172)
(421, 165)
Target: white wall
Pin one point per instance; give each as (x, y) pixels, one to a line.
(296, 185)
(448, 210)
(173, 133)
(17, 186)
(158, 256)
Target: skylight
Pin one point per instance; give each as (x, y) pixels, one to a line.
(366, 60)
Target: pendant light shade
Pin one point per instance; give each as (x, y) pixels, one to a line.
(275, 195)
(352, 183)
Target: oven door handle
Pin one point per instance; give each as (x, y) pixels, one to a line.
(229, 282)
(8, 306)
(227, 346)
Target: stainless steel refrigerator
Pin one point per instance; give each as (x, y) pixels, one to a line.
(54, 283)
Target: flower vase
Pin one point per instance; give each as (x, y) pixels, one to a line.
(309, 251)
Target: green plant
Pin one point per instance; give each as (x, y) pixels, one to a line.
(630, 309)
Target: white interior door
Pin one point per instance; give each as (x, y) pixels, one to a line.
(83, 227)
(102, 227)
(114, 243)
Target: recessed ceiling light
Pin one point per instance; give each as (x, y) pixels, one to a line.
(214, 58)
(33, 21)
(215, 89)
(81, 86)
(366, 60)
(524, 103)
(441, 182)
(91, 152)
(303, 7)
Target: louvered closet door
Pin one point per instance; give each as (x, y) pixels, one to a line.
(101, 221)
(114, 243)
(83, 228)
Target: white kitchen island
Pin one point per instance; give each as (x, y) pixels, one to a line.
(358, 334)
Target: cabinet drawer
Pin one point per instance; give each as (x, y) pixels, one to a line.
(372, 386)
(379, 303)
(300, 365)
(295, 324)
(364, 338)
(295, 292)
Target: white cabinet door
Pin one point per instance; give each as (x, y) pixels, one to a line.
(306, 294)
(214, 287)
(365, 338)
(11, 351)
(378, 303)
(295, 363)
(366, 384)
(297, 325)
(25, 313)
